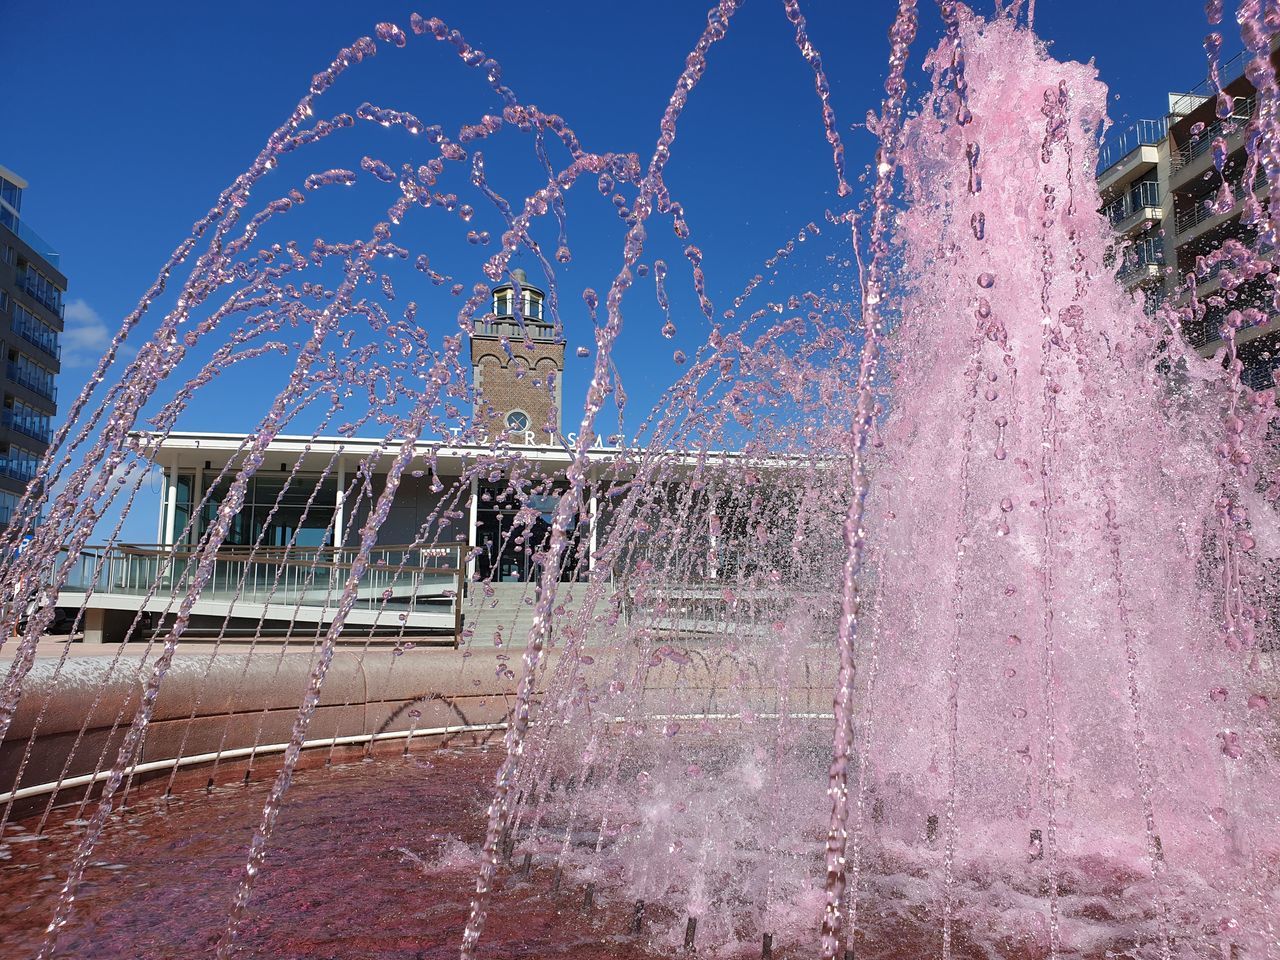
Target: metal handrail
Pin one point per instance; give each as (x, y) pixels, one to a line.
(1143, 133)
(280, 575)
(1202, 209)
(1242, 110)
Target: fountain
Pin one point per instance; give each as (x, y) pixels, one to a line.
(927, 612)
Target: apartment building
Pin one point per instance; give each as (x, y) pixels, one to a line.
(31, 292)
(1162, 190)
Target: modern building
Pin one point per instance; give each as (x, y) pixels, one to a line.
(31, 292)
(288, 551)
(1163, 192)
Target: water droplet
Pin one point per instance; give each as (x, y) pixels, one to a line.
(986, 280)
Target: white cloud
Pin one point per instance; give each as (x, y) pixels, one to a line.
(85, 337)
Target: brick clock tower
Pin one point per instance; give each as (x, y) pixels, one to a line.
(518, 390)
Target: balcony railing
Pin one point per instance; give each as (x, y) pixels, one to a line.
(1199, 145)
(508, 327)
(1202, 209)
(32, 239)
(1184, 103)
(1143, 133)
(42, 385)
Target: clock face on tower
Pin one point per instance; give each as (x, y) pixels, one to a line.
(517, 421)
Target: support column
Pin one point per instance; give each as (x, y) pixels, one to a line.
(165, 482)
(339, 504)
(95, 626)
(713, 520)
(471, 527)
(171, 503)
(593, 517)
(197, 502)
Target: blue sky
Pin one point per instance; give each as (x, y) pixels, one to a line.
(128, 119)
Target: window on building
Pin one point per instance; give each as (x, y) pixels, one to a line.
(502, 303)
(11, 194)
(8, 504)
(184, 501)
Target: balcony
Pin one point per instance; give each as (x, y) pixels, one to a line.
(1144, 133)
(19, 469)
(508, 327)
(41, 289)
(1135, 206)
(36, 427)
(1202, 210)
(1133, 151)
(37, 384)
(38, 335)
(1192, 159)
(1141, 262)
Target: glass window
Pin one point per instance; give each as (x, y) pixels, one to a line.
(273, 512)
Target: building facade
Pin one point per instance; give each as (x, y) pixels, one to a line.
(31, 321)
(1165, 196)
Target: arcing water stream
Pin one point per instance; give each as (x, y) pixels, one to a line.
(1011, 526)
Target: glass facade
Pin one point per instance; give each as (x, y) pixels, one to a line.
(511, 535)
(273, 514)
